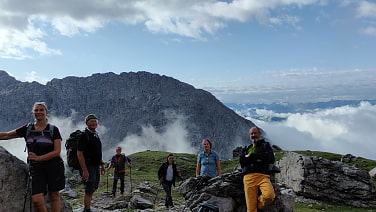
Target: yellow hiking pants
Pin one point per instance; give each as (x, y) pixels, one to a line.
(254, 182)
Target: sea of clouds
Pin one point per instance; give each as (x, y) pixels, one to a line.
(342, 130)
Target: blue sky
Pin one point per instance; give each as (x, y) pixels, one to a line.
(244, 51)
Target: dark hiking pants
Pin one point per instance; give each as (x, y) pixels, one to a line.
(167, 185)
(117, 176)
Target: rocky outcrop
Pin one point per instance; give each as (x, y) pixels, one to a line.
(226, 192)
(13, 184)
(130, 101)
(327, 181)
(373, 173)
(348, 158)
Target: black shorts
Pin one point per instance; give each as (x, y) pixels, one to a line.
(48, 177)
(94, 176)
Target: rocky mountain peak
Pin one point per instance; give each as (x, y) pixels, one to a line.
(131, 105)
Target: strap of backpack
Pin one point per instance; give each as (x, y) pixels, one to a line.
(30, 126)
(28, 130)
(52, 127)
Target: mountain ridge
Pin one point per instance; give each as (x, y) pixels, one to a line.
(126, 104)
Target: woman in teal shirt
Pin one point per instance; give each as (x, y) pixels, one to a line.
(208, 161)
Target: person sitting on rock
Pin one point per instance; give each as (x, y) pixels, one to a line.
(254, 160)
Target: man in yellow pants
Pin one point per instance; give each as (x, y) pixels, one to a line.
(255, 161)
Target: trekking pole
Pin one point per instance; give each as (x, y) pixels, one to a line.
(107, 184)
(106, 193)
(130, 177)
(156, 195)
(28, 186)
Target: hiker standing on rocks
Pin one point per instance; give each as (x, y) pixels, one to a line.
(167, 174)
(208, 161)
(254, 160)
(89, 154)
(43, 142)
(118, 162)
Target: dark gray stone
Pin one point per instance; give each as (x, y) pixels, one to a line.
(227, 193)
(13, 184)
(327, 181)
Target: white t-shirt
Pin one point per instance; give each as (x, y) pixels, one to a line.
(170, 173)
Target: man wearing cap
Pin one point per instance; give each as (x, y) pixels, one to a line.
(118, 162)
(89, 153)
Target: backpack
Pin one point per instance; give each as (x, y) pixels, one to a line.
(271, 167)
(30, 126)
(71, 147)
(29, 130)
(207, 207)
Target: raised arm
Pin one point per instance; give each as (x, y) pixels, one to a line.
(8, 135)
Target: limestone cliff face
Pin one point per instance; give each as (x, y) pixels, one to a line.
(124, 103)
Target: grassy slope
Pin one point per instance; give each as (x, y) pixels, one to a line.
(146, 164)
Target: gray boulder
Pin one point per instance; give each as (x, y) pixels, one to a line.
(373, 173)
(226, 192)
(14, 178)
(327, 181)
(137, 201)
(348, 158)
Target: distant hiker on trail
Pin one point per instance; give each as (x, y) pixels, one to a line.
(167, 174)
(43, 142)
(118, 162)
(254, 160)
(208, 161)
(89, 153)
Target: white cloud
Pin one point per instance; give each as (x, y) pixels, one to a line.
(339, 130)
(14, 44)
(32, 76)
(24, 25)
(69, 27)
(366, 9)
(16, 147)
(369, 31)
(172, 139)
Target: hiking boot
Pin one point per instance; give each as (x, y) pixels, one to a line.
(112, 195)
(121, 195)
